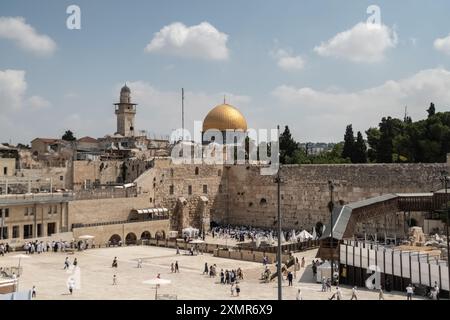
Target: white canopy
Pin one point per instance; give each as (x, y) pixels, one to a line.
(197, 241)
(305, 235)
(86, 237)
(157, 281)
(152, 210)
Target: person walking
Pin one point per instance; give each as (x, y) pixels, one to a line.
(71, 285)
(381, 293)
(299, 295)
(139, 265)
(177, 269)
(337, 294)
(66, 263)
(206, 269)
(314, 269)
(436, 291)
(409, 292)
(303, 262)
(75, 262)
(222, 277)
(232, 288)
(354, 294)
(324, 284)
(178, 250)
(290, 278)
(114, 280)
(33, 292)
(238, 290)
(114, 263)
(172, 267)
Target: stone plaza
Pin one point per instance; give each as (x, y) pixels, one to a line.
(46, 272)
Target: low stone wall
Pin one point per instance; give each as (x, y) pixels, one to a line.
(246, 255)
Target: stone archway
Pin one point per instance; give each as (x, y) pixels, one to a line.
(160, 235)
(130, 239)
(146, 235)
(115, 239)
(319, 229)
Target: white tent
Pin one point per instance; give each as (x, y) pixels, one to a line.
(293, 237)
(314, 235)
(305, 236)
(258, 242)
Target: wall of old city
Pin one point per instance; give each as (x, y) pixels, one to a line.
(240, 195)
(104, 210)
(305, 193)
(87, 173)
(166, 183)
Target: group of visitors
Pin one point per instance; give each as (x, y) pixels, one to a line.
(211, 271)
(4, 248)
(174, 267)
(67, 263)
(55, 246)
(231, 276)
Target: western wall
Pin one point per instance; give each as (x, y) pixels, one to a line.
(240, 195)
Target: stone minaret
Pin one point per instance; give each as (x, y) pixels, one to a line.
(125, 112)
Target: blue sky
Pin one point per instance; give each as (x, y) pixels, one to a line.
(279, 62)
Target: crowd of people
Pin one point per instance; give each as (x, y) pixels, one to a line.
(244, 233)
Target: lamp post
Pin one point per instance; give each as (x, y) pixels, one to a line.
(278, 182)
(445, 178)
(331, 187)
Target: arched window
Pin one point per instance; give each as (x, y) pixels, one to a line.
(196, 171)
(263, 202)
(219, 173)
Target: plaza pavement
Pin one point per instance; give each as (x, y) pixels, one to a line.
(45, 271)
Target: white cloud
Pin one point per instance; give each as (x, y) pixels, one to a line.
(443, 44)
(25, 36)
(363, 108)
(12, 89)
(363, 43)
(38, 103)
(287, 61)
(201, 41)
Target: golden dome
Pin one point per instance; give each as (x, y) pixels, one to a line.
(224, 117)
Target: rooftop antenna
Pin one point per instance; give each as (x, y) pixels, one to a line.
(182, 114)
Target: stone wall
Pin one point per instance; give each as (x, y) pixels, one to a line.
(305, 193)
(7, 167)
(166, 183)
(248, 198)
(104, 210)
(103, 233)
(40, 178)
(90, 172)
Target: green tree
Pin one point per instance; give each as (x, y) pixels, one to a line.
(373, 139)
(432, 110)
(288, 147)
(360, 151)
(68, 136)
(349, 143)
